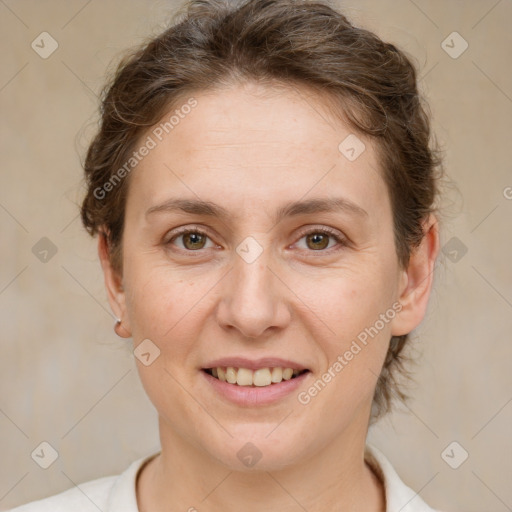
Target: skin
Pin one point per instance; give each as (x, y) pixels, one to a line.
(252, 149)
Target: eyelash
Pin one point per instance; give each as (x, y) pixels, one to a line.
(342, 242)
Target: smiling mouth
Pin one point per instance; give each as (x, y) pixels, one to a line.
(255, 378)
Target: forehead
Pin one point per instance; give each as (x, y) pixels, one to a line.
(255, 143)
(283, 119)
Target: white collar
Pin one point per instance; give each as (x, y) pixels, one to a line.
(399, 497)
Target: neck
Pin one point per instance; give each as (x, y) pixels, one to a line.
(184, 477)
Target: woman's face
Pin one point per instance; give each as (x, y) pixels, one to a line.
(261, 285)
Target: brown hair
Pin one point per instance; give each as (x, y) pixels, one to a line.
(217, 43)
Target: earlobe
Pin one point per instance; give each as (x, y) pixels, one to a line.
(114, 286)
(120, 330)
(417, 280)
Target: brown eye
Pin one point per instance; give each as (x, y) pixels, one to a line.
(191, 240)
(317, 241)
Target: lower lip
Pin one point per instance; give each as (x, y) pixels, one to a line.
(252, 396)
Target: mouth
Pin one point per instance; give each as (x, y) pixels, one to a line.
(262, 377)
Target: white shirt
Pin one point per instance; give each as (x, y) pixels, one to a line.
(117, 493)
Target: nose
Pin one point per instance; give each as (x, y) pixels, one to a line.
(253, 298)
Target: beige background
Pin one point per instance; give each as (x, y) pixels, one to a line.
(66, 379)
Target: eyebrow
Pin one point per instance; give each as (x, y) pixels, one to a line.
(291, 209)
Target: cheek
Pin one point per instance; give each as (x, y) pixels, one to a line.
(357, 309)
(163, 304)
(354, 345)
(354, 298)
(166, 307)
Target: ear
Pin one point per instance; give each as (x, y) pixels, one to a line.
(416, 281)
(114, 286)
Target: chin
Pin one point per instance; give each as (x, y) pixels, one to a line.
(256, 456)
(253, 449)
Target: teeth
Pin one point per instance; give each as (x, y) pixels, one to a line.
(230, 375)
(277, 375)
(287, 373)
(244, 377)
(261, 377)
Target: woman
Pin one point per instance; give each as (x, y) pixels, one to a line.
(263, 188)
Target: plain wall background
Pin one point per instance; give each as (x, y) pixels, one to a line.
(68, 380)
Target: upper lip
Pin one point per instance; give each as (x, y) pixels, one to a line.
(254, 364)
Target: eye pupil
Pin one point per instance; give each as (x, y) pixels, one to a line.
(321, 238)
(195, 238)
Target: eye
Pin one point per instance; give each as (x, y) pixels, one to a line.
(318, 239)
(192, 239)
(195, 239)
